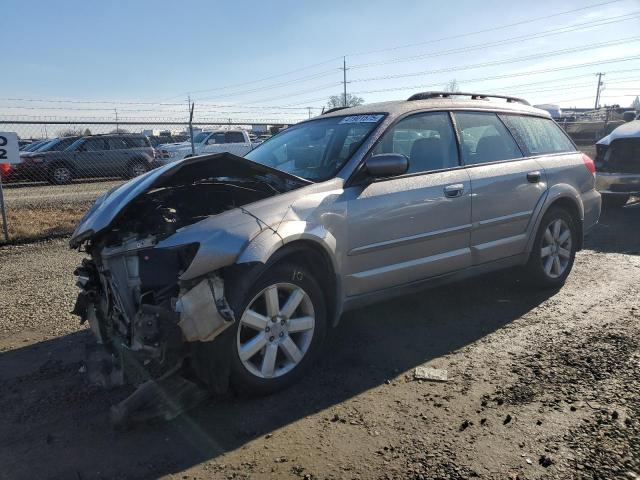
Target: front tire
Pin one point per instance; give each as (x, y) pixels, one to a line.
(280, 327)
(554, 249)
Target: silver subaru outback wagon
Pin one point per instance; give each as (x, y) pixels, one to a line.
(237, 267)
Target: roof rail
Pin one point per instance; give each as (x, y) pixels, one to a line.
(474, 96)
(335, 109)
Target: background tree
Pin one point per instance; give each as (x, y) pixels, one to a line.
(69, 132)
(636, 103)
(452, 86)
(87, 131)
(119, 130)
(338, 101)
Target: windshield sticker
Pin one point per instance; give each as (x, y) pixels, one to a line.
(361, 119)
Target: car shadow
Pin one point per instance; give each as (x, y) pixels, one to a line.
(48, 406)
(618, 230)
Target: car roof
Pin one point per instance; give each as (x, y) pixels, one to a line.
(397, 108)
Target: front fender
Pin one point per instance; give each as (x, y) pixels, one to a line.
(267, 242)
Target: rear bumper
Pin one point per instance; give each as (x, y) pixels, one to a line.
(592, 204)
(618, 183)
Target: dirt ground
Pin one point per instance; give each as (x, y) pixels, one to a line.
(541, 385)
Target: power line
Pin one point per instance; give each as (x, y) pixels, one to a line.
(591, 46)
(477, 32)
(519, 38)
(498, 77)
(486, 30)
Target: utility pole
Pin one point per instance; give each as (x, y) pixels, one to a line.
(117, 128)
(193, 148)
(309, 108)
(344, 81)
(600, 83)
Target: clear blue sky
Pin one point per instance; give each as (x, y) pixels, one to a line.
(158, 50)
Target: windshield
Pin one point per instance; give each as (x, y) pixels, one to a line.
(45, 147)
(201, 137)
(318, 149)
(75, 144)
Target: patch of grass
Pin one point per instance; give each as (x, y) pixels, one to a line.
(31, 223)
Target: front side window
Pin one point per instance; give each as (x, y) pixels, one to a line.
(318, 149)
(94, 145)
(216, 138)
(201, 137)
(484, 138)
(426, 139)
(539, 135)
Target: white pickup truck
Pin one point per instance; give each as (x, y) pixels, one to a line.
(217, 141)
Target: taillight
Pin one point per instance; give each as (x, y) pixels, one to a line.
(588, 162)
(5, 168)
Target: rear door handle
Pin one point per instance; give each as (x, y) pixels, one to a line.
(534, 177)
(455, 190)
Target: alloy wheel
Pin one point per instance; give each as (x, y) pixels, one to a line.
(138, 169)
(555, 251)
(61, 175)
(276, 330)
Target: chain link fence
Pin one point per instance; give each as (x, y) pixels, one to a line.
(64, 166)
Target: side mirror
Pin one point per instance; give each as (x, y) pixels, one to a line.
(386, 164)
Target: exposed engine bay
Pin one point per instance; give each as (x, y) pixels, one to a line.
(131, 292)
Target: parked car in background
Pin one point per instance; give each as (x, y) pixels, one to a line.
(242, 265)
(127, 155)
(55, 145)
(217, 141)
(618, 164)
(33, 145)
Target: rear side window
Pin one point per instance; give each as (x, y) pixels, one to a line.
(539, 135)
(136, 142)
(484, 138)
(234, 137)
(116, 143)
(426, 139)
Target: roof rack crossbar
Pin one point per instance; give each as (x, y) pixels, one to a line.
(474, 96)
(331, 110)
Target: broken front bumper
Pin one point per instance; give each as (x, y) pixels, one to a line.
(136, 306)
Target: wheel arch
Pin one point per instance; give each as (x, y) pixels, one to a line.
(568, 198)
(312, 249)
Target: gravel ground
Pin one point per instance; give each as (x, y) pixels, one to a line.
(541, 385)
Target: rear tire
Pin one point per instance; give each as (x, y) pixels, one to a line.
(137, 168)
(290, 337)
(614, 201)
(60, 175)
(554, 249)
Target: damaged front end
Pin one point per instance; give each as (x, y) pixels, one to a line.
(134, 294)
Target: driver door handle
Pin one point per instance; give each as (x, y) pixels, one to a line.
(534, 177)
(455, 190)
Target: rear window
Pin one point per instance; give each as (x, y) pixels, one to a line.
(539, 135)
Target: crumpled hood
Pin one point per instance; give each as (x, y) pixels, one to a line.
(109, 206)
(627, 130)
